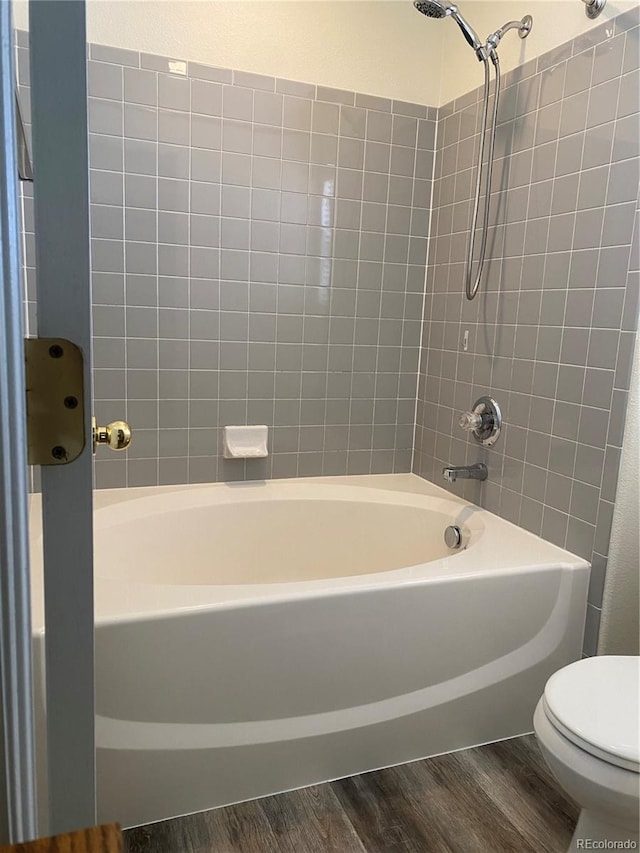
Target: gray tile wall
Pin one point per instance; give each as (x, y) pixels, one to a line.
(552, 331)
(258, 256)
(259, 253)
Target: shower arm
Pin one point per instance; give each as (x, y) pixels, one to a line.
(523, 27)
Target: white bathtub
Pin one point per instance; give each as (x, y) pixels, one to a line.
(253, 638)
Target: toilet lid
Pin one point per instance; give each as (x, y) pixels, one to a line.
(595, 703)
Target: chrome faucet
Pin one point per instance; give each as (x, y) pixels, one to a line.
(465, 472)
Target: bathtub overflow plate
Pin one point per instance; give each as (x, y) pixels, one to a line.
(453, 536)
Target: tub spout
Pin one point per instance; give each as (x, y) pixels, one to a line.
(465, 472)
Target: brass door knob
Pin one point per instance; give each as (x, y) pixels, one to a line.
(116, 435)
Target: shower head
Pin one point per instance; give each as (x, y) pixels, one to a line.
(430, 8)
(438, 9)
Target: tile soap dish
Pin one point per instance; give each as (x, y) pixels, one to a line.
(245, 442)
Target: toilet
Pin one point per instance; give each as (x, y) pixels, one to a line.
(587, 724)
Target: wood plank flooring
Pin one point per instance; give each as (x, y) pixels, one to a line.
(491, 799)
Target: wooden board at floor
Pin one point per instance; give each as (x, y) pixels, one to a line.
(96, 839)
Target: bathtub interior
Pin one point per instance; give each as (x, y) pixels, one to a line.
(247, 537)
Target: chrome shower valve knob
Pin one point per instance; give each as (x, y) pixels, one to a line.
(470, 421)
(485, 421)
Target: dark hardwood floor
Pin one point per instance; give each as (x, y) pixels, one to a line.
(490, 799)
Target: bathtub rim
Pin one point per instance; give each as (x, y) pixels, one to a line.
(120, 601)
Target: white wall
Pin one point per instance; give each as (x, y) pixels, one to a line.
(381, 48)
(620, 622)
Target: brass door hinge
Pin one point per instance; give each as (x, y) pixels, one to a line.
(55, 401)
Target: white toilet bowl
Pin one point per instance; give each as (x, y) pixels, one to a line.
(587, 724)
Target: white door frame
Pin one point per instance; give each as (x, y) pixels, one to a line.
(17, 754)
(61, 201)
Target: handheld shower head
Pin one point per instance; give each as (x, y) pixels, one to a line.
(438, 9)
(430, 8)
(484, 52)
